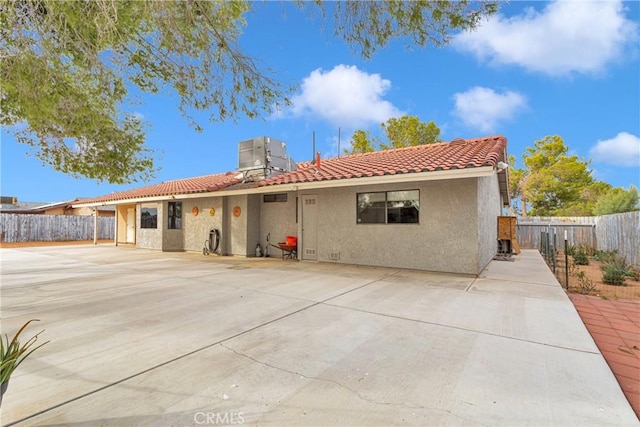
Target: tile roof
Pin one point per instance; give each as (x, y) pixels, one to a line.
(200, 184)
(458, 154)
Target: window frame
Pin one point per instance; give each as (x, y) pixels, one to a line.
(385, 205)
(274, 198)
(149, 206)
(174, 216)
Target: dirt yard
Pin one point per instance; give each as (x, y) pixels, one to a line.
(35, 244)
(630, 290)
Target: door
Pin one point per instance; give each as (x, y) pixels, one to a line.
(309, 228)
(131, 225)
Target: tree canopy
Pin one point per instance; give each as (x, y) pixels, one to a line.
(408, 131)
(405, 131)
(554, 183)
(618, 200)
(68, 68)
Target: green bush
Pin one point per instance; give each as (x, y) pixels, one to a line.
(613, 274)
(588, 250)
(606, 257)
(633, 273)
(580, 257)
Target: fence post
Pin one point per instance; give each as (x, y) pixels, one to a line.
(553, 250)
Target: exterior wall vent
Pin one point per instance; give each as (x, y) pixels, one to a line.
(334, 256)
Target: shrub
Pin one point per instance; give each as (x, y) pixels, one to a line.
(12, 353)
(633, 273)
(588, 250)
(580, 257)
(606, 257)
(613, 274)
(585, 284)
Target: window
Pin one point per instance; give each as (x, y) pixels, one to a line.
(149, 216)
(269, 198)
(175, 215)
(391, 207)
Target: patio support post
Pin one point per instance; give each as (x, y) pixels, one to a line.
(566, 261)
(95, 225)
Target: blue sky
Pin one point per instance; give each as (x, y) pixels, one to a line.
(569, 68)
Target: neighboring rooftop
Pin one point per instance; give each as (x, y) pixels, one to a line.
(455, 155)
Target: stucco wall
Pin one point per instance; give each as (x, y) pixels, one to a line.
(444, 240)
(172, 239)
(196, 227)
(150, 238)
(279, 220)
(235, 229)
(254, 205)
(489, 208)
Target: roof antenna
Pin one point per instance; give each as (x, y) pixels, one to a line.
(313, 153)
(338, 141)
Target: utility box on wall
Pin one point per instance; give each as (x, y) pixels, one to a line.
(507, 229)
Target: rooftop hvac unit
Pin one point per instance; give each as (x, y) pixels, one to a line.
(264, 157)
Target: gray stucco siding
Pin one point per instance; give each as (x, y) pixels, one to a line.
(196, 228)
(444, 240)
(279, 220)
(489, 208)
(150, 238)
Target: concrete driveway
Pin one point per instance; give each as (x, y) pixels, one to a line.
(141, 337)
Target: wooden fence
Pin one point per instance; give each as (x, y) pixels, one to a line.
(619, 232)
(53, 228)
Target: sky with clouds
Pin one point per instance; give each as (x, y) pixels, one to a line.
(569, 68)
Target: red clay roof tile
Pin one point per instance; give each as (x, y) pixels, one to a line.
(200, 184)
(459, 154)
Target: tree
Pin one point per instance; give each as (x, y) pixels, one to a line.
(589, 196)
(517, 182)
(618, 200)
(408, 131)
(68, 68)
(554, 180)
(361, 142)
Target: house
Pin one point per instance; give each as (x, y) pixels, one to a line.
(429, 207)
(56, 208)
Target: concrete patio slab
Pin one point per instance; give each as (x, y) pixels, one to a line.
(147, 338)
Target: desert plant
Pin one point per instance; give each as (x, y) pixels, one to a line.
(580, 257)
(573, 268)
(12, 353)
(585, 284)
(633, 273)
(606, 256)
(613, 274)
(571, 249)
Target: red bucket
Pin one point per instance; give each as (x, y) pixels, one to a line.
(291, 240)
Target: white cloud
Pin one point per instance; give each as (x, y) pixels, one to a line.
(484, 108)
(566, 37)
(621, 150)
(345, 96)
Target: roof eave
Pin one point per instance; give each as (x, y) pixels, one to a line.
(473, 172)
